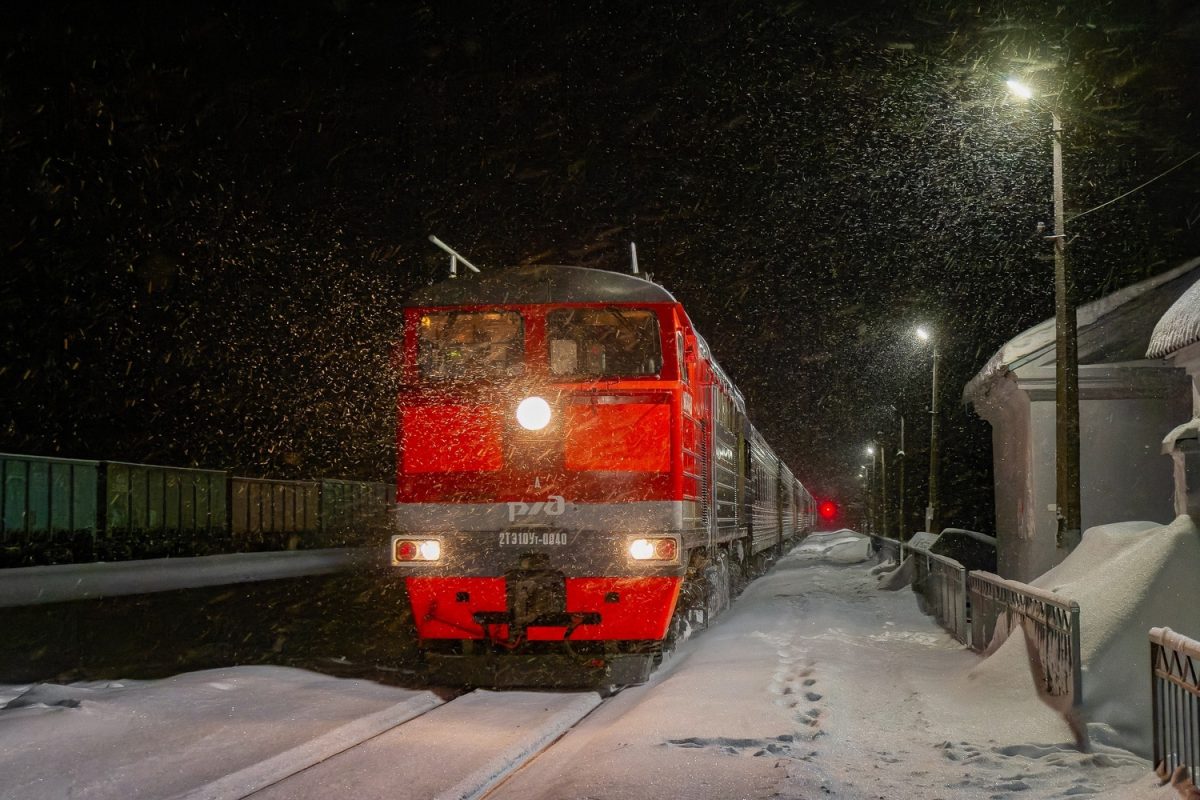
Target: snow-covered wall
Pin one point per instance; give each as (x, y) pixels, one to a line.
(1124, 413)
(1123, 474)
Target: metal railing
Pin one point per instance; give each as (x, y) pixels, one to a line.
(886, 548)
(1175, 699)
(1051, 623)
(942, 583)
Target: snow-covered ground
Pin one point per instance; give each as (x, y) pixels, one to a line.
(160, 739)
(816, 683)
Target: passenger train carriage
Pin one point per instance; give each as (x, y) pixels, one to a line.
(577, 477)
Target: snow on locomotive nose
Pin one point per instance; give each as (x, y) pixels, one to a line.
(577, 477)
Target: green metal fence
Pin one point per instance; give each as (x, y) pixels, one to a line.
(350, 509)
(48, 508)
(274, 515)
(55, 511)
(162, 511)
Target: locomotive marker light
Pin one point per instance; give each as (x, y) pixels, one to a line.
(664, 549)
(406, 551)
(533, 413)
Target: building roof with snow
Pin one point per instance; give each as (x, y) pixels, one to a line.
(1113, 329)
(1179, 327)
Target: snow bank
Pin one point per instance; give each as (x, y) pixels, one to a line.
(1127, 577)
(195, 732)
(899, 578)
(842, 547)
(28, 586)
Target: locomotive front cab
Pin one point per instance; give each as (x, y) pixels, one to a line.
(540, 463)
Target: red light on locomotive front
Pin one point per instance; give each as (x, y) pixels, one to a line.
(666, 549)
(406, 551)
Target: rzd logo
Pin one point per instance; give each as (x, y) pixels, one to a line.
(554, 507)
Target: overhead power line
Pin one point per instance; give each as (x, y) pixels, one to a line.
(1136, 188)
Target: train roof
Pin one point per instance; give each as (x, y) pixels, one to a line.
(541, 283)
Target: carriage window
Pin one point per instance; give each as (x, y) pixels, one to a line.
(609, 342)
(470, 344)
(679, 357)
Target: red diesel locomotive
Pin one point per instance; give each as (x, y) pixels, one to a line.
(577, 477)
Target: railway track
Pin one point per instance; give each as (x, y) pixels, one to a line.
(425, 747)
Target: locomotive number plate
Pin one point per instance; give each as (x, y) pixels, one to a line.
(524, 538)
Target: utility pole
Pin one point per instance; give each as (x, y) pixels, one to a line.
(872, 507)
(883, 492)
(900, 481)
(1066, 353)
(933, 512)
(1066, 368)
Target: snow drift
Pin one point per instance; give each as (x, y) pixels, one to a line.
(1127, 578)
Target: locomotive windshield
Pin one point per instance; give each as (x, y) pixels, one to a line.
(603, 342)
(461, 344)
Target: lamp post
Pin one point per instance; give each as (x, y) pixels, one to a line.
(872, 506)
(900, 479)
(885, 523)
(1066, 352)
(933, 510)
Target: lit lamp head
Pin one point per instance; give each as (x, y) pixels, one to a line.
(533, 413)
(870, 449)
(923, 333)
(1019, 89)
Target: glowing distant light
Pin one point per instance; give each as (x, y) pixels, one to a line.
(923, 334)
(533, 413)
(828, 509)
(1019, 89)
(870, 450)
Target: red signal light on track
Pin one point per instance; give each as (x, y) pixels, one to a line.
(828, 509)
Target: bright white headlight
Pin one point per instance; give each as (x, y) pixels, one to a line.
(533, 413)
(641, 549)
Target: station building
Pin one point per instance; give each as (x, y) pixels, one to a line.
(1176, 339)
(1130, 396)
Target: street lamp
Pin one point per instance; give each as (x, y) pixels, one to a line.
(866, 480)
(872, 508)
(900, 478)
(933, 510)
(1066, 361)
(875, 449)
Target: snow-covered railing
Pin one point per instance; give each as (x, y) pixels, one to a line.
(1050, 622)
(1175, 697)
(887, 548)
(942, 582)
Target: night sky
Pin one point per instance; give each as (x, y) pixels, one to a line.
(211, 213)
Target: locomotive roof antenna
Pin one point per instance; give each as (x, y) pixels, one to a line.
(455, 257)
(633, 258)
